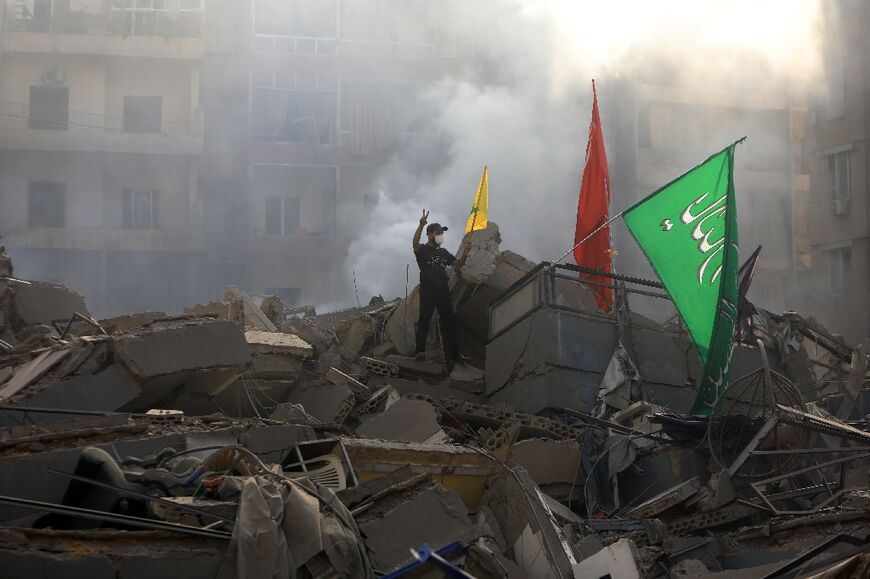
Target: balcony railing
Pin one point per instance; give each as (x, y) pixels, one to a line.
(42, 118)
(276, 44)
(115, 19)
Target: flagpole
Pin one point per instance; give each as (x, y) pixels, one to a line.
(597, 229)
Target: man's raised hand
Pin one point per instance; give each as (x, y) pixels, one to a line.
(425, 218)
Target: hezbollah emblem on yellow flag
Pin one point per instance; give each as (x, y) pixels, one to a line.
(478, 218)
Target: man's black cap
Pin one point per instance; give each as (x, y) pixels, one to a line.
(433, 227)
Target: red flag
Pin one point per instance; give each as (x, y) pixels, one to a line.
(592, 213)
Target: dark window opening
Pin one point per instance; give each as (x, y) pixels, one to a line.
(49, 108)
(143, 114)
(839, 262)
(282, 215)
(294, 116)
(46, 204)
(140, 208)
(838, 178)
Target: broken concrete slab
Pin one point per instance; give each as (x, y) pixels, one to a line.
(392, 527)
(382, 399)
(553, 464)
(483, 247)
(32, 371)
(405, 421)
(616, 560)
(182, 344)
(666, 499)
(277, 356)
(517, 503)
(467, 377)
(325, 402)
(198, 356)
(458, 468)
(527, 551)
(278, 342)
(104, 391)
(39, 302)
(336, 376)
(127, 322)
(251, 315)
(412, 367)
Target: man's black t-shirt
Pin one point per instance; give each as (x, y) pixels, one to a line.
(433, 262)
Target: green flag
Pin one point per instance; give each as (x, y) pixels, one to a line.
(688, 231)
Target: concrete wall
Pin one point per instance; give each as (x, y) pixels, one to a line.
(85, 77)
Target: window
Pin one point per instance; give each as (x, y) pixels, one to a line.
(294, 108)
(311, 18)
(46, 204)
(143, 114)
(835, 85)
(49, 107)
(167, 18)
(838, 179)
(140, 208)
(282, 215)
(839, 263)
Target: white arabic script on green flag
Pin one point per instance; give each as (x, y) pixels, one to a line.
(688, 231)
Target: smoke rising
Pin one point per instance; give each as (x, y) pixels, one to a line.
(523, 109)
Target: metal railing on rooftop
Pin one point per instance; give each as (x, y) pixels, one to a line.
(43, 118)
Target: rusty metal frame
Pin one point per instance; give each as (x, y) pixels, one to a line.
(833, 495)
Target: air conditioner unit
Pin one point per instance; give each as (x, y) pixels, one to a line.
(54, 76)
(839, 206)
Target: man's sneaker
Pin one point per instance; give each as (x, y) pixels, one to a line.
(462, 358)
(420, 357)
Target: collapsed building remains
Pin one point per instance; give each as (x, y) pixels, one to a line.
(245, 439)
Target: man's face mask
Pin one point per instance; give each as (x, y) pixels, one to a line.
(439, 239)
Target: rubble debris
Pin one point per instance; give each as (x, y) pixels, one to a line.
(404, 421)
(393, 526)
(616, 560)
(246, 311)
(325, 402)
(554, 465)
(483, 253)
(277, 356)
(260, 440)
(41, 303)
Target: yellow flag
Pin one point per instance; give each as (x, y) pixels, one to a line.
(478, 218)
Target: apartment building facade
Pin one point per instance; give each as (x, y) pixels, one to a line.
(838, 130)
(657, 130)
(153, 152)
(331, 89)
(100, 135)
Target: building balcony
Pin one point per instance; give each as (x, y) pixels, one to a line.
(104, 239)
(23, 127)
(108, 30)
(352, 49)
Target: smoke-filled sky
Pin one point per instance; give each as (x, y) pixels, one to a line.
(525, 112)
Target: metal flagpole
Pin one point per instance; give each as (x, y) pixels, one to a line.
(597, 229)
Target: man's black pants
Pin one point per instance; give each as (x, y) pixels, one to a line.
(431, 300)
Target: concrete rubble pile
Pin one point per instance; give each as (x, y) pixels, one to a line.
(243, 438)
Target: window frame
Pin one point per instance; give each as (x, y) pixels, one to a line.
(59, 219)
(128, 220)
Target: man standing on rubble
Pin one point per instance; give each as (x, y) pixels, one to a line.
(434, 261)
